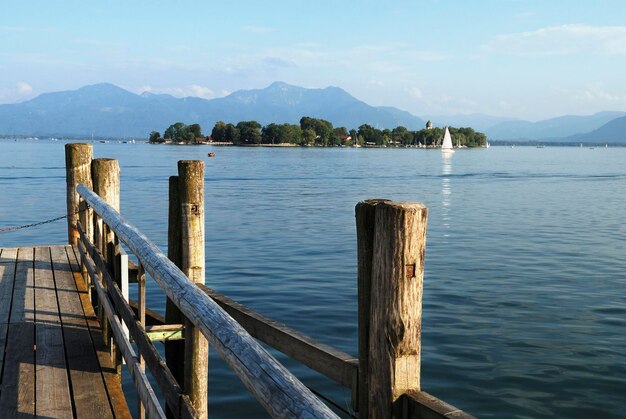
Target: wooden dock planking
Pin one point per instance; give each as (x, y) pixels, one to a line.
(53, 362)
(109, 373)
(52, 377)
(7, 275)
(18, 383)
(89, 392)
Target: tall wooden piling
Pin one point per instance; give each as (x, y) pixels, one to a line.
(174, 350)
(391, 280)
(365, 213)
(106, 184)
(191, 196)
(78, 157)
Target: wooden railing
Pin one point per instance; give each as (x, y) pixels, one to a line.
(384, 378)
(275, 388)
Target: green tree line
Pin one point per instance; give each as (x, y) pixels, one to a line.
(178, 133)
(317, 132)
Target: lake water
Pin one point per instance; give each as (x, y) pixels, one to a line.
(524, 288)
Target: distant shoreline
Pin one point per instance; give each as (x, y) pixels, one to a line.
(493, 143)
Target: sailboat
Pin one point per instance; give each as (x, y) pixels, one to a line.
(446, 147)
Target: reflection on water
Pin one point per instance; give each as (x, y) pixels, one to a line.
(446, 191)
(524, 310)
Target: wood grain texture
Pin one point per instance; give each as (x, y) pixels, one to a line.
(365, 214)
(105, 174)
(181, 407)
(144, 390)
(17, 398)
(7, 276)
(280, 393)
(396, 303)
(337, 365)
(36, 376)
(421, 405)
(112, 380)
(88, 388)
(4, 328)
(191, 201)
(174, 351)
(106, 180)
(7, 280)
(52, 387)
(23, 302)
(78, 158)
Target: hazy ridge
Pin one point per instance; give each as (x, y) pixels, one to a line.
(107, 110)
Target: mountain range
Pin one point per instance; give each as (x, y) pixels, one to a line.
(105, 110)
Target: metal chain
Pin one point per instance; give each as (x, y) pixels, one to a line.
(13, 228)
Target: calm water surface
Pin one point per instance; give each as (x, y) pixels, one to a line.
(524, 302)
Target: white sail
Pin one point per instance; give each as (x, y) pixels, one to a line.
(447, 142)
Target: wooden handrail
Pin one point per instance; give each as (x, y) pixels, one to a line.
(278, 391)
(334, 364)
(421, 405)
(162, 376)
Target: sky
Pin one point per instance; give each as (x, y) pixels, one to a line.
(529, 59)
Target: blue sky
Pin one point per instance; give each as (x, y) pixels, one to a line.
(520, 58)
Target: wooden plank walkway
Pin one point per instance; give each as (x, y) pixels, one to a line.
(53, 360)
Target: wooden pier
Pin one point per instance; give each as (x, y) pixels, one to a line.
(53, 360)
(60, 357)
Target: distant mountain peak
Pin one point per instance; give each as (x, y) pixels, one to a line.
(280, 85)
(108, 110)
(102, 87)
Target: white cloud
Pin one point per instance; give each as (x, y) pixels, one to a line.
(24, 88)
(202, 92)
(96, 43)
(26, 29)
(18, 92)
(415, 92)
(258, 29)
(595, 96)
(193, 90)
(562, 40)
(427, 55)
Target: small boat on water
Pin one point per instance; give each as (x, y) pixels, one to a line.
(446, 146)
(211, 154)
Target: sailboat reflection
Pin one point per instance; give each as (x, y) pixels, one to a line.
(446, 191)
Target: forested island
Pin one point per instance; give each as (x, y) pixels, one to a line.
(314, 132)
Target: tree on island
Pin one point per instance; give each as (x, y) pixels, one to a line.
(155, 137)
(323, 129)
(249, 132)
(181, 133)
(317, 132)
(281, 134)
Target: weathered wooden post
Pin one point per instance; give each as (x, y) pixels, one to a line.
(174, 350)
(78, 158)
(106, 184)
(365, 220)
(391, 246)
(191, 195)
(191, 204)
